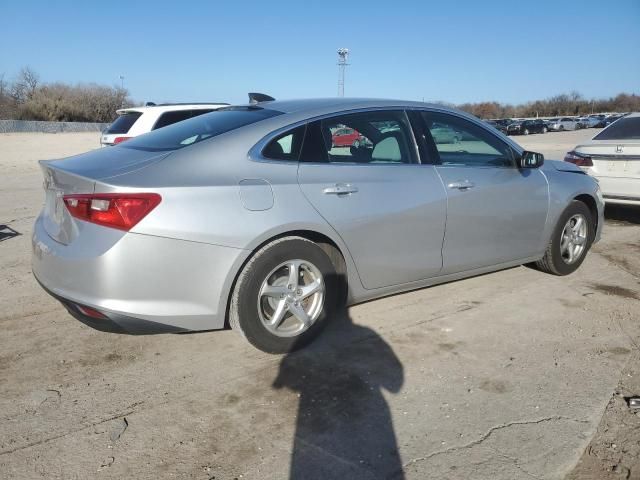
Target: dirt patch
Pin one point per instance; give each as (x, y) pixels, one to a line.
(614, 451)
(494, 386)
(616, 290)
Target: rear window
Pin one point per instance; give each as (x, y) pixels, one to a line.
(124, 122)
(623, 129)
(200, 128)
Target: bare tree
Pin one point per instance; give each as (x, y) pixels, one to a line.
(25, 85)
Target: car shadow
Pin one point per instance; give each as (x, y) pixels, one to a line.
(344, 427)
(623, 213)
(6, 232)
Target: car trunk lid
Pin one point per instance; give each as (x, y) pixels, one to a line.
(80, 175)
(613, 158)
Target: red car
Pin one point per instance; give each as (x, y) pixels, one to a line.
(345, 137)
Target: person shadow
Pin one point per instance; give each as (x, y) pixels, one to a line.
(344, 428)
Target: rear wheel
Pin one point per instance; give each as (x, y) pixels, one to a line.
(570, 241)
(525, 132)
(284, 295)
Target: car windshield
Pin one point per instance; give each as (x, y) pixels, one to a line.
(194, 130)
(623, 129)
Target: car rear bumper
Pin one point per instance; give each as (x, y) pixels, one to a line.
(140, 283)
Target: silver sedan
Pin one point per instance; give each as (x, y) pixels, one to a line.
(247, 216)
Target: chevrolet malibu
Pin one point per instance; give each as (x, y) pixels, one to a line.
(247, 216)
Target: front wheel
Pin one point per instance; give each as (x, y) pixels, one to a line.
(544, 130)
(570, 241)
(284, 295)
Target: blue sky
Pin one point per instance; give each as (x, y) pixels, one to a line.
(455, 51)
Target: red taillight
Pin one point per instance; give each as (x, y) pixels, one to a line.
(91, 312)
(115, 210)
(579, 160)
(118, 140)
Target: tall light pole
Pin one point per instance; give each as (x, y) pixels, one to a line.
(343, 53)
(122, 90)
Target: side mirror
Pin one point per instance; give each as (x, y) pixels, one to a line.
(530, 160)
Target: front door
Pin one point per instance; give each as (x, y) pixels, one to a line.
(387, 207)
(496, 212)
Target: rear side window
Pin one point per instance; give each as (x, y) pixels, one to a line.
(623, 129)
(202, 127)
(169, 118)
(286, 146)
(124, 122)
(377, 137)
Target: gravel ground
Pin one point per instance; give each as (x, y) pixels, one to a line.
(502, 376)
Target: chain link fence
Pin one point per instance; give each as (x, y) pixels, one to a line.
(15, 126)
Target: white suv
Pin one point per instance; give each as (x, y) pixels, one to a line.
(135, 121)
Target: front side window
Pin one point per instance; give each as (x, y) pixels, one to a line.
(460, 142)
(378, 137)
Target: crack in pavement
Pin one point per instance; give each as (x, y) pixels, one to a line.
(488, 434)
(66, 434)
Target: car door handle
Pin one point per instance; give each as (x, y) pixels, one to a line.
(461, 185)
(341, 189)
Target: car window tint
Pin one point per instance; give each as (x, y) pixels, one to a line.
(285, 146)
(202, 127)
(379, 137)
(460, 142)
(124, 122)
(169, 118)
(623, 129)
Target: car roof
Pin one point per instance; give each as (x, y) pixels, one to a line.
(171, 107)
(312, 106)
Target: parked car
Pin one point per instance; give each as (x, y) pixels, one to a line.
(590, 121)
(613, 158)
(135, 121)
(606, 121)
(444, 134)
(581, 123)
(526, 127)
(563, 123)
(247, 215)
(498, 126)
(346, 137)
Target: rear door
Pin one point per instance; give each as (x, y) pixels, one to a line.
(387, 207)
(496, 212)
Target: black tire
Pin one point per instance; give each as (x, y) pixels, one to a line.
(544, 130)
(243, 311)
(552, 261)
(561, 128)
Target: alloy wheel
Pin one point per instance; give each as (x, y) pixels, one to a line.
(291, 298)
(573, 241)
